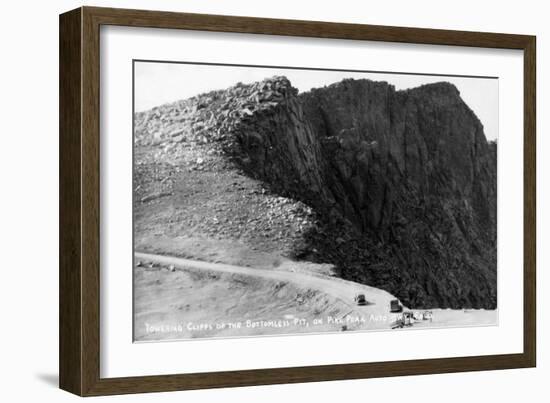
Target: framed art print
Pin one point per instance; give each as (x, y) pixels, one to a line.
(250, 201)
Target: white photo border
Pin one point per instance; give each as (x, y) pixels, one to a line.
(120, 357)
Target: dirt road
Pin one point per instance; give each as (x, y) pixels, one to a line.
(335, 287)
(195, 296)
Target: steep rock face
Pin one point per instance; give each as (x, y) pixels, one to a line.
(404, 183)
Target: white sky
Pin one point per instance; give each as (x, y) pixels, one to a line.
(159, 83)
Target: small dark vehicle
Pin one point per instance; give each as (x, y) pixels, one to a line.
(395, 306)
(360, 299)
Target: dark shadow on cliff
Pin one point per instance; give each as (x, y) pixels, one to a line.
(403, 184)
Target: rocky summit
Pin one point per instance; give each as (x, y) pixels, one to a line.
(396, 189)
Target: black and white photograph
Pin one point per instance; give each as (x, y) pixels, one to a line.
(276, 202)
(273, 200)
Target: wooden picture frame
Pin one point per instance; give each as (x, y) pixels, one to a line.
(79, 347)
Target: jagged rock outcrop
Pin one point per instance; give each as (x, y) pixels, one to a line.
(403, 182)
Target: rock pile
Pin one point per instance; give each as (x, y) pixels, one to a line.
(210, 118)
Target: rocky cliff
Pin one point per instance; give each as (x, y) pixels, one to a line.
(402, 183)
